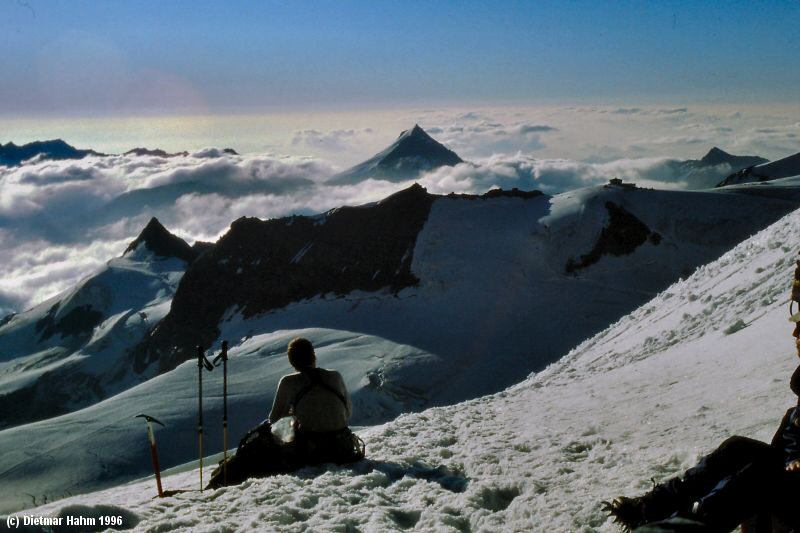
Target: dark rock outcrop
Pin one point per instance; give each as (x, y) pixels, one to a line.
(155, 153)
(262, 265)
(499, 193)
(623, 234)
(162, 243)
(78, 322)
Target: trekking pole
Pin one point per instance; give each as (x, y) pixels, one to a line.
(223, 356)
(201, 362)
(153, 452)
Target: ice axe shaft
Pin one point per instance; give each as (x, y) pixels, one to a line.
(153, 451)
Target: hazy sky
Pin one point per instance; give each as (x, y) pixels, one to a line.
(119, 57)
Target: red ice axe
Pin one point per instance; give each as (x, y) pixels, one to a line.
(153, 452)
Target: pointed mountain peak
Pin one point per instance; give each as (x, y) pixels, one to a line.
(716, 156)
(716, 152)
(413, 153)
(416, 131)
(161, 242)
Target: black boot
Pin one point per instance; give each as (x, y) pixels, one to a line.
(661, 502)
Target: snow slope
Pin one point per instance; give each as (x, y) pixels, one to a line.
(709, 357)
(495, 300)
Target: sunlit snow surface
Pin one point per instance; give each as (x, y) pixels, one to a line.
(707, 358)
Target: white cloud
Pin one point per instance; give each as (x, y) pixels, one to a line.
(550, 176)
(480, 138)
(61, 220)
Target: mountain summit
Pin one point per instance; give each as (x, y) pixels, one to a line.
(161, 242)
(707, 172)
(716, 156)
(412, 153)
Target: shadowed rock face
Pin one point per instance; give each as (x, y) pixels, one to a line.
(154, 153)
(715, 156)
(78, 322)
(623, 234)
(163, 243)
(261, 265)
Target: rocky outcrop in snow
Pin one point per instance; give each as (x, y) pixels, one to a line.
(260, 266)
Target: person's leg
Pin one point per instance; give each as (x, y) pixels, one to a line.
(678, 494)
(734, 454)
(748, 492)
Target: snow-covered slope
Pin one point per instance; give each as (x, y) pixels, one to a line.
(69, 352)
(782, 168)
(494, 301)
(504, 285)
(708, 357)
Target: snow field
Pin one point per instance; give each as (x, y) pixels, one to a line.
(705, 359)
(644, 398)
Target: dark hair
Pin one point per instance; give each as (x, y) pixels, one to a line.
(301, 353)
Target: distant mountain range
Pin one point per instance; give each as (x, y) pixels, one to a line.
(415, 152)
(12, 155)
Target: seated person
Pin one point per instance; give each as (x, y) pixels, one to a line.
(319, 406)
(319, 402)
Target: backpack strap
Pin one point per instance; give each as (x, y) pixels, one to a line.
(316, 380)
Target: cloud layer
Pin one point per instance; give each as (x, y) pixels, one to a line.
(60, 221)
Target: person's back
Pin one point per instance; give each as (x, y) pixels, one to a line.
(318, 399)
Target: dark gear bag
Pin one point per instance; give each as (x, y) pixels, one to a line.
(340, 447)
(258, 455)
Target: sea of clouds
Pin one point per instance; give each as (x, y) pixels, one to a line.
(62, 220)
